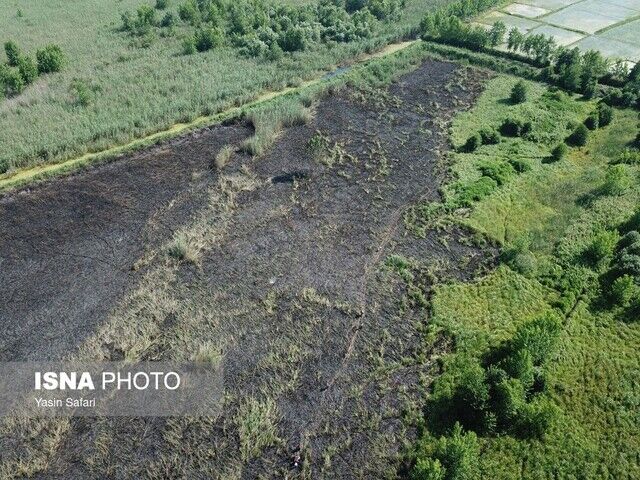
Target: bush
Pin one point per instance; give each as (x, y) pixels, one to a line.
(605, 114)
(28, 69)
(472, 143)
(475, 191)
(617, 180)
(50, 59)
(520, 165)
(169, 20)
(500, 171)
(190, 13)
(623, 291)
(592, 121)
(537, 417)
(207, 38)
(189, 45)
(603, 245)
(13, 53)
(519, 92)
(559, 152)
(538, 337)
(162, 4)
(579, 136)
(490, 136)
(12, 81)
(630, 238)
(512, 127)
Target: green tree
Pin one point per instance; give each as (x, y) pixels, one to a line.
(50, 59)
(519, 92)
(559, 152)
(459, 454)
(497, 33)
(13, 53)
(579, 136)
(605, 114)
(538, 337)
(207, 38)
(28, 69)
(515, 39)
(623, 290)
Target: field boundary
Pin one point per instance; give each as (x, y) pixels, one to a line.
(22, 177)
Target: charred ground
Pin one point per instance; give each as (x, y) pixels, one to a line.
(293, 285)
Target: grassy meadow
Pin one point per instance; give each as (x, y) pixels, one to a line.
(134, 90)
(545, 219)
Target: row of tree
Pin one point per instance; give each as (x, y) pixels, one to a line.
(569, 68)
(260, 28)
(20, 69)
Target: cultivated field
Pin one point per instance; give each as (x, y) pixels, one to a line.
(611, 27)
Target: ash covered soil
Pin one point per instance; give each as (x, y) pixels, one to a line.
(320, 340)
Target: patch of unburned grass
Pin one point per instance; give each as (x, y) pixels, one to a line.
(257, 426)
(269, 121)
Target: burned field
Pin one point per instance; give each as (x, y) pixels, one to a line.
(282, 268)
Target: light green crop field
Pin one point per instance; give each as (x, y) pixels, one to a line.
(593, 375)
(136, 91)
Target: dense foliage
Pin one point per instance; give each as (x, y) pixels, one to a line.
(20, 69)
(261, 29)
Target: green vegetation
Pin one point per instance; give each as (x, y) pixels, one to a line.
(140, 91)
(546, 344)
(14, 80)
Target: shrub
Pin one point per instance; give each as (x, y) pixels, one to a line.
(592, 120)
(520, 365)
(189, 12)
(50, 59)
(475, 191)
(82, 92)
(629, 157)
(616, 181)
(490, 136)
(207, 38)
(537, 417)
(189, 45)
(162, 4)
(559, 152)
(13, 53)
(459, 454)
(500, 171)
(472, 143)
(169, 20)
(579, 136)
(509, 397)
(519, 92)
(520, 165)
(605, 114)
(12, 81)
(623, 290)
(630, 238)
(538, 337)
(603, 245)
(28, 69)
(511, 127)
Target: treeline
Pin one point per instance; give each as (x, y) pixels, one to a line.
(569, 68)
(20, 69)
(262, 29)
